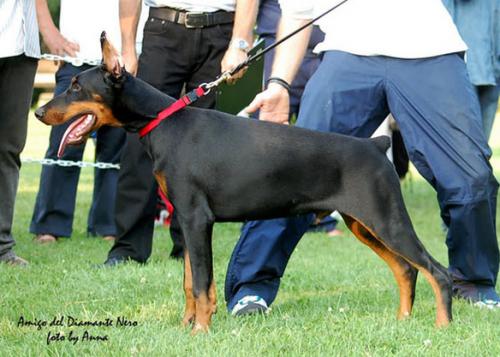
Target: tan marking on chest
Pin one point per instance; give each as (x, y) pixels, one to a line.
(162, 182)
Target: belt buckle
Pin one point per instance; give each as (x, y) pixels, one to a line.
(188, 14)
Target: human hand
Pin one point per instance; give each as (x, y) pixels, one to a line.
(274, 104)
(232, 58)
(58, 44)
(130, 61)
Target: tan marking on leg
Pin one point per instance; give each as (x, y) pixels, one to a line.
(212, 296)
(162, 182)
(442, 317)
(405, 285)
(203, 313)
(190, 310)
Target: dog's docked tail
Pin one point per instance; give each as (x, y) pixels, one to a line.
(383, 143)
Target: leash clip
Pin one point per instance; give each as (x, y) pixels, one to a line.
(208, 86)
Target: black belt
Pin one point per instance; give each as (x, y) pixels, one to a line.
(192, 19)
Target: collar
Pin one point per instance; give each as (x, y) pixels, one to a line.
(179, 104)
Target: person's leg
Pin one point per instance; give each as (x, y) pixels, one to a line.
(203, 66)
(488, 100)
(262, 253)
(439, 117)
(16, 86)
(135, 204)
(56, 197)
(260, 257)
(101, 218)
(163, 64)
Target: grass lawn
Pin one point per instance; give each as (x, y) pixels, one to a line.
(337, 297)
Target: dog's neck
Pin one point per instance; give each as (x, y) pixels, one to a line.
(139, 103)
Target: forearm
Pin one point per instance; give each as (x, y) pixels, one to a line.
(130, 12)
(290, 53)
(244, 20)
(45, 22)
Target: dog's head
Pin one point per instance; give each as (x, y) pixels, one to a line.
(92, 100)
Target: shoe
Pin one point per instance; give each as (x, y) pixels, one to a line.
(488, 304)
(45, 238)
(109, 238)
(11, 258)
(479, 295)
(250, 304)
(114, 261)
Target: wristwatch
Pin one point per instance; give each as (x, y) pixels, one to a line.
(240, 44)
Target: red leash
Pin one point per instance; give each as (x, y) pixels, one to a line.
(183, 102)
(168, 205)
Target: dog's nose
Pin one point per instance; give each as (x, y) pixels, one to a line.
(39, 113)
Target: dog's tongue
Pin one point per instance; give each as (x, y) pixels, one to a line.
(75, 131)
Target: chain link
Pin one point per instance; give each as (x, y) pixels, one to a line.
(75, 61)
(67, 163)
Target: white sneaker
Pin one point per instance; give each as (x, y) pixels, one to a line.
(488, 304)
(249, 304)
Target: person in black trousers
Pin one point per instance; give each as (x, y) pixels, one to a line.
(19, 53)
(16, 87)
(181, 50)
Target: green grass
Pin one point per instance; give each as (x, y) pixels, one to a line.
(337, 297)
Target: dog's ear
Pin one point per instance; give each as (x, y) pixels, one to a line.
(111, 59)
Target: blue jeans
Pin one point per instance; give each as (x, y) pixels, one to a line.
(438, 114)
(55, 201)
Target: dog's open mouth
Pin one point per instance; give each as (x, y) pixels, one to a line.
(77, 132)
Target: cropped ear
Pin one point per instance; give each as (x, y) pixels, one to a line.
(111, 59)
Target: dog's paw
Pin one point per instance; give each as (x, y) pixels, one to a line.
(188, 319)
(199, 328)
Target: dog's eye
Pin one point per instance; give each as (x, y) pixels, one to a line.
(75, 87)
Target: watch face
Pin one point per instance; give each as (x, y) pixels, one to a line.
(241, 44)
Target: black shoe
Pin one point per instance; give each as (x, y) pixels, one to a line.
(114, 261)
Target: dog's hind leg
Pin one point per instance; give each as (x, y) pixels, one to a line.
(380, 209)
(434, 272)
(402, 241)
(405, 274)
(197, 230)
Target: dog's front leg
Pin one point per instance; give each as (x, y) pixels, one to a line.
(190, 310)
(198, 276)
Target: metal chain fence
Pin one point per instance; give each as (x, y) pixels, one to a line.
(75, 61)
(67, 163)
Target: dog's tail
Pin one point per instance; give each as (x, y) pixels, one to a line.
(383, 143)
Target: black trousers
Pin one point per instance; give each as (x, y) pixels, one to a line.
(173, 57)
(16, 86)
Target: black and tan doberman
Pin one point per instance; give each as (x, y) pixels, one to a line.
(215, 167)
